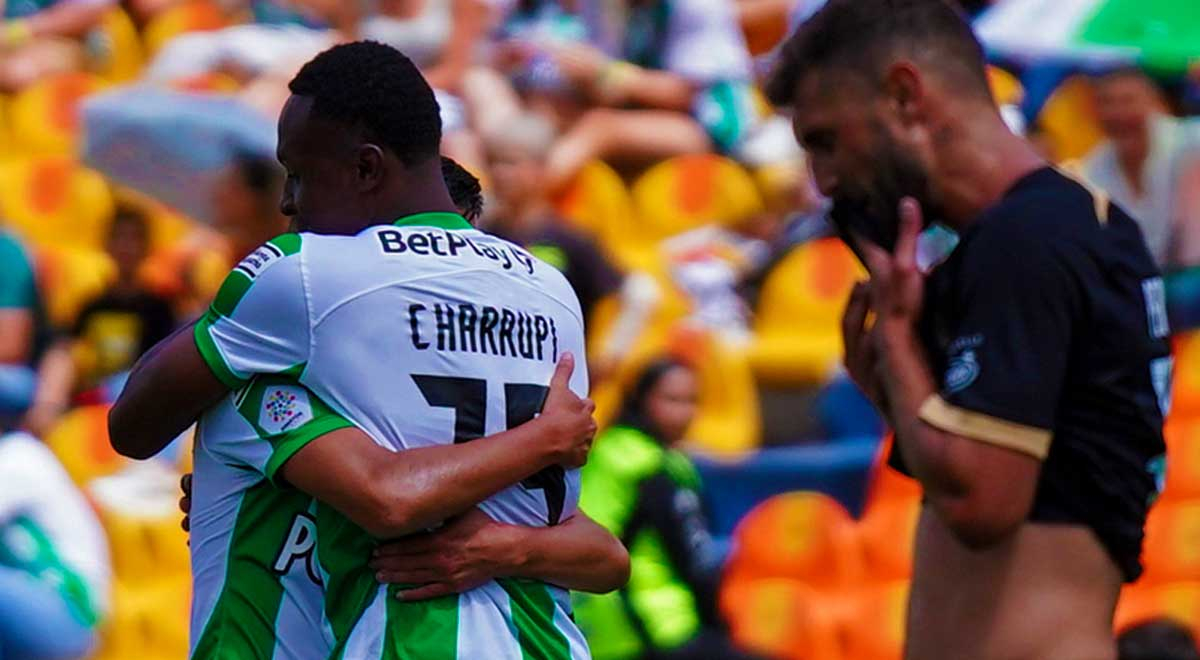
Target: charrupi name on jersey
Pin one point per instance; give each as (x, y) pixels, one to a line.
(487, 330)
(258, 260)
(444, 243)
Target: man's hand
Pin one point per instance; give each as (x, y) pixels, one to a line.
(862, 354)
(465, 553)
(897, 284)
(568, 417)
(185, 502)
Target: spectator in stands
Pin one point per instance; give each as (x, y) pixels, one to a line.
(681, 84)
(43, 37)
(246, 203)
(648, 493)
(20, 318)
(522, 212)
(115, 329)
(54, 562)
(1157, 639)
(1150, 164)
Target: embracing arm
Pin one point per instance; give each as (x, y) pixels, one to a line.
(168, 389)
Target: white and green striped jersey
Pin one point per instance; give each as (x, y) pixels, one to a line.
(424, 332)
(258, 589)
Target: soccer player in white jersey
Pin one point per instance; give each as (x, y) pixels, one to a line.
(424, 332)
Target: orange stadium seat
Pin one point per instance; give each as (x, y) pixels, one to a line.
(875, 621)
(191, 16)
(1006, 88)
(1183, 458)
(119, 58)
(45, 116)
(887, 531)
(80, 441)
(798, 323)
(688, 192)
(1141, 601)
(886, 483)
(783, 619)
(1172, 547)
(800, 536)
(1069, 119)
(53, 200)
(1185, 394)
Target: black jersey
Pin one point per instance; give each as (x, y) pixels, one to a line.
(1048, 328)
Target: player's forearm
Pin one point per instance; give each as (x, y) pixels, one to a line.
(908, 383)
(161, 399)
(578, 554)
(425, 486)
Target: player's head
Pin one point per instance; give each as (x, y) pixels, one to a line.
(516, 161)
(876, 88)
(246, 199)
(1126, 100)
(464, 189)
(663, 400)
(360, 121)
(1157, 639)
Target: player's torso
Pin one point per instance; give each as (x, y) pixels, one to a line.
(428, 336)
(258, 583)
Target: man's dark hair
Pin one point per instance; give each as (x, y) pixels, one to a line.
(374, 87)
(261, 174)
(464, 188)
(851, 38)
(130, 215)
(1157, 639)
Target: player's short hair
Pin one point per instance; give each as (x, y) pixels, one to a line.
(859, 38)
(376, 88)
(465, 190)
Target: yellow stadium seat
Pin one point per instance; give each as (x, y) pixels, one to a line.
(875, 622)
(598, 203)
(53, 200)
(1183, 458)
(887, 531)
(138, 509)
(119, 58)
(1069, 119)
(728, 421)
(1172, 546)
(784, 619)
(80, 440)
(1185, 393)
(800, 536)
(1006, 89)
(688, 192)
(797, 327)
(71, 277)
(192, 16)
(1142, 601)
(149, 621)
(6, 146)
(45, 116)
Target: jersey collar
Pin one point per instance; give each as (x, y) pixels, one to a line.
(439, 219)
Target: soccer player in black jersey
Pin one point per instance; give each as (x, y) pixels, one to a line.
(1026, 376)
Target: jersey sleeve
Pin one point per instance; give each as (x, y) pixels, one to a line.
(285, 416)
(258, 323)
(1009, 330)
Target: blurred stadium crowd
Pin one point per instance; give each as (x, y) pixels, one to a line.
(623, 141)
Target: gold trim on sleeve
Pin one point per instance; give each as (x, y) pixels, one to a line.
(1029, 440)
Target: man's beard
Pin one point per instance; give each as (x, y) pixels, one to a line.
(872, 212)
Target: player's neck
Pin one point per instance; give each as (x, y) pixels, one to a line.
(415, 196)
(979, 164)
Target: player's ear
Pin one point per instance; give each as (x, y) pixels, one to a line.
(369, 167)
(905, 90)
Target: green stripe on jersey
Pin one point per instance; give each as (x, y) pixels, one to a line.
(288, 244)
(212, 355)
(533, 615)
(421, 631)
(242, 623)
(232, 290)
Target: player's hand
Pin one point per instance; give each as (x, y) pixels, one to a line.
(897, 284)
(862, 354)
(569, 419)
(467, 552)
(185, 502)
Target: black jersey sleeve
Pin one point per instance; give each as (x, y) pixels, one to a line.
(1007, 332)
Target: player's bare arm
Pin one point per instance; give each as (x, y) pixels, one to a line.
(981, 492)
(168, 389)
(577, 554)
(390, 494)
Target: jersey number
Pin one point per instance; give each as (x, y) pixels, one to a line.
(468, 398)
